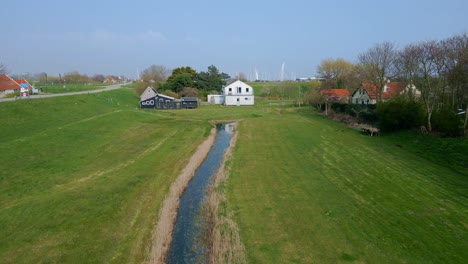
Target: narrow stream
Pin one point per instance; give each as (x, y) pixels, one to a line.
(184, 248)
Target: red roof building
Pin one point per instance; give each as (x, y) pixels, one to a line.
(8, 85)
(336, 94)
(24, 83)
(367, 93)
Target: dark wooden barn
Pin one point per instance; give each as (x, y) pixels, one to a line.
(189, 102)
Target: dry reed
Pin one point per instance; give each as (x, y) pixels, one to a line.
(222, 238)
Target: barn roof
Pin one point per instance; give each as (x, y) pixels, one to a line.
(165, 96)
(7, 83)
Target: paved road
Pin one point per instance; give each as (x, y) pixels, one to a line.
(39, 96)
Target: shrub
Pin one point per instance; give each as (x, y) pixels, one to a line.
(447, 122)
(399, 114)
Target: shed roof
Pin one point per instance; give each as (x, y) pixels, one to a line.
(189, 99)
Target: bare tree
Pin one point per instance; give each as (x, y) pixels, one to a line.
(457, 73)
(427, 77)
(407, 65)
(3, 69)
(377, 65)
(155, 73)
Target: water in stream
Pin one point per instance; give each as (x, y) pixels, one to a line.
(184, 248)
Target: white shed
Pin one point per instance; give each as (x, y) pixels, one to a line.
(238, 93)
(215, 99)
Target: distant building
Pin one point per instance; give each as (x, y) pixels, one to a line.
(367, 92)
(238, 93)
(8, 85)
(150, 98)
(336, 95)
(189, 102)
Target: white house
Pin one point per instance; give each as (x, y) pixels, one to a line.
(238, 93)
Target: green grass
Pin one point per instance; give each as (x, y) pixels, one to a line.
(305, 189)
(83, 177)
(69, 87)
(280, 90)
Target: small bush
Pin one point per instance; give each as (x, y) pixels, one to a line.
(399, 114)
(447, 122)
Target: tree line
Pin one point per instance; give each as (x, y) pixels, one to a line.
(182, 81)
(437, 68)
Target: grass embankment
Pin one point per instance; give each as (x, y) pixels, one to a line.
(69, 87)
(280, 90)
(309, 190)
(82, 178)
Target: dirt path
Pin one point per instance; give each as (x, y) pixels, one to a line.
(163, 232)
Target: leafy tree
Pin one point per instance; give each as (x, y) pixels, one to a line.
(178, 82)
(188, 71)
(211, 80)
(337, 73)
(313, 96)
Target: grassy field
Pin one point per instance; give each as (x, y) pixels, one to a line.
(280, 90)
(69, 87)
(308, 190)
(83, 177)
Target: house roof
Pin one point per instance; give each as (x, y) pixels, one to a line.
(148, 93)
(335, 92)
(7, 83)
(238, 83)
(391, 89)
(23, 83)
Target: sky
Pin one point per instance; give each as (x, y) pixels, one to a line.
(125, 37)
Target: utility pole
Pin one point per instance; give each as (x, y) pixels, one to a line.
(46, 85)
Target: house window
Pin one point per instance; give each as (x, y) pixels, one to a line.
(230, 89)
(246, 99)
(239, 89)
(247, 89)
(237, 99)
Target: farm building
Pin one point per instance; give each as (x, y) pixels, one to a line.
(147, 98)
(238, 93)
(8, 85)
(152, 99)
(189, 102)
(367, 92)
(165, 102)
